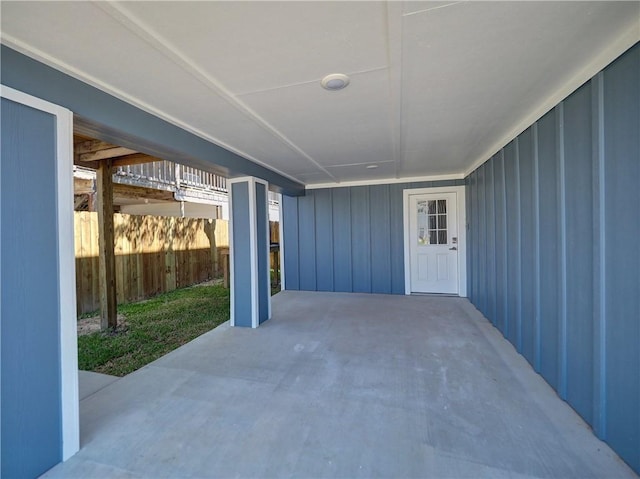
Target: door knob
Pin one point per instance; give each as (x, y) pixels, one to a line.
(453, 249)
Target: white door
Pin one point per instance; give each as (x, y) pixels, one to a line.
(433, 243)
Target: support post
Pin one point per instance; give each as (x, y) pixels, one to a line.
(107, 262)
(249, 252)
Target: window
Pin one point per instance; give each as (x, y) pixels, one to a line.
(432, 222)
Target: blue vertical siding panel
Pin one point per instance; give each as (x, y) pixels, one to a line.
(579, 241)
(622, 254)
(420, 184)
(562, 242)
(396, 230)
(31, 427)
(241, 280)
(599, 246)
(324, 239)
(361, 239)
(502, 286)
(490, 244)
(307, 241)
(474, 238)
(549, 258)
(482, 240)
(467, 226)
(566, 208)
(291, 250)
(342, 266)
(262, 228)
(513, 250)
(380, 239)
(527, 252)
(537, 239)
(313, 230)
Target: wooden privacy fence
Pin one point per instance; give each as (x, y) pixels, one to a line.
(152, 255)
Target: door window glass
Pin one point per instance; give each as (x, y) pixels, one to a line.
(432, 222)
(423, 223)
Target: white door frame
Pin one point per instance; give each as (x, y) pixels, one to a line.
(69, 401)
(462, 233)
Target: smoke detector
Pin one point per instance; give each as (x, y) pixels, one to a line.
(335, 82)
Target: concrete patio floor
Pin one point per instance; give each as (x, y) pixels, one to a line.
(340, 385)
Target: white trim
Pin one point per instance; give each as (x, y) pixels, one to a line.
(387, 181)
(69, 396)
(281, 234)
(240, 179)
(612, 51)
(462, 233)
(267, 245)
(232, 309)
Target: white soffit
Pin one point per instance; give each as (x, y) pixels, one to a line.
(257, 46)
(436, 87)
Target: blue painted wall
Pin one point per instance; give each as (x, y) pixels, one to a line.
(241, 254)
(554, 260)
(347, 239)
(243, 271)
(30, 365)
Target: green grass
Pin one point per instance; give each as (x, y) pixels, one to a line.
(153, 328)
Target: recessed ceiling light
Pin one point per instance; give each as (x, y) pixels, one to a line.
(335, 81)
(371, 167)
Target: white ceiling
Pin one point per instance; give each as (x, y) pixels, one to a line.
(436, 87)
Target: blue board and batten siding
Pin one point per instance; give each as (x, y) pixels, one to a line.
(554, 260)
(242, 267)
(30, 442)
(347, 239)
(250, 258)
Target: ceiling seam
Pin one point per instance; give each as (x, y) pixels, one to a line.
(361, 163)
(394, 80)
(308, 82)
(58, 64)
(147, 34)
(430, 9)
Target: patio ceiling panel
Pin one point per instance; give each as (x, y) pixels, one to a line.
(437, 87)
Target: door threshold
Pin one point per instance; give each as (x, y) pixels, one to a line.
(437, 295)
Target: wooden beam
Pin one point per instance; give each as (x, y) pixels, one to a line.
(138, 192)
(106, 256)
(82, 145)
(93, 165)
(86, 186)
(134, 159)
(105, 154)
(82, 186)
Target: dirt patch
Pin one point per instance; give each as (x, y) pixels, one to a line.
(92, 325)
(211, 282)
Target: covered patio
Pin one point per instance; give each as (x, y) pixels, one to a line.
(340, 385)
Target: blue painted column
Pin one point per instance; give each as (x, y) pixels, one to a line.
(249, 252)
(39, 420)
